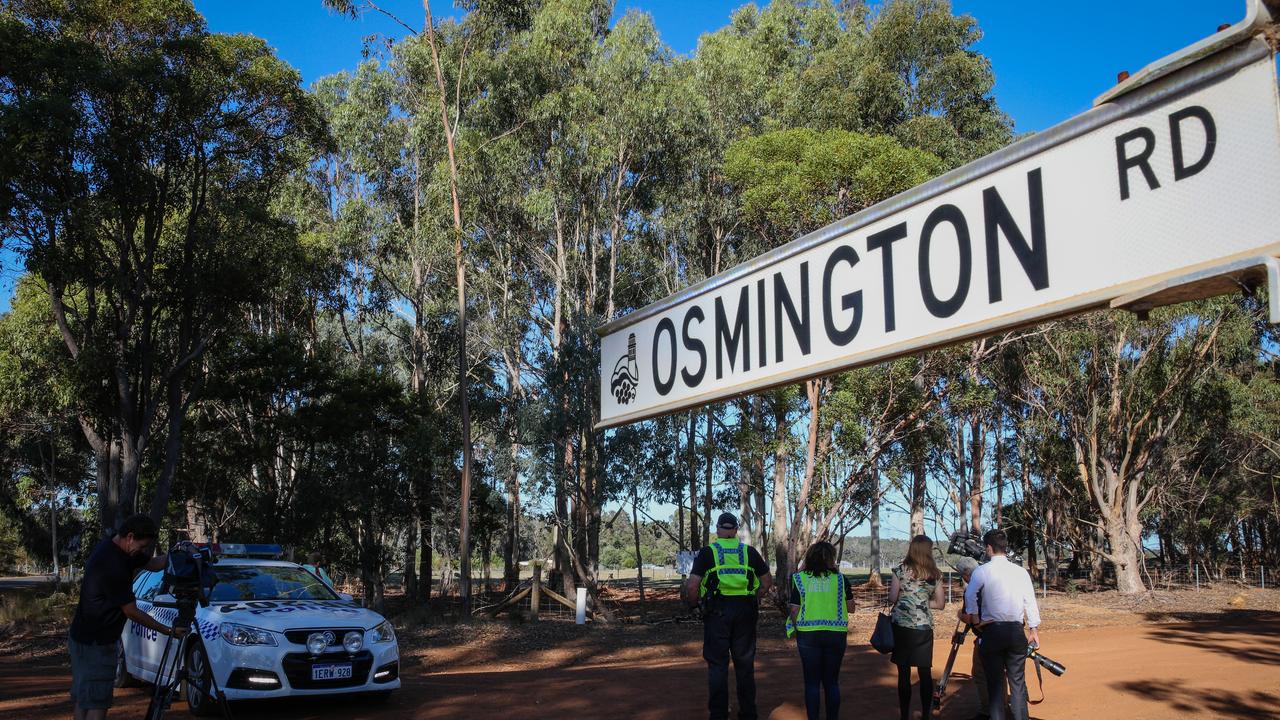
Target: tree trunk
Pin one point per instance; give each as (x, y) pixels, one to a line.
(464, 550)
(1126, 555)
(172, 451)
(782, 561)
(757, 408)
(918, 487)
(1095, 557)
(426, 533)
(511, 551)
(696, 539)
(874, 576)
(562, 574)
(977, 468)
(710, 451)
(635, 534)
(1051, 551)
(411, 559)
(107, 493)
(999, 478)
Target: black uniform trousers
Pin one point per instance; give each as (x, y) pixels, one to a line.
(729, 630)
(1004, 652)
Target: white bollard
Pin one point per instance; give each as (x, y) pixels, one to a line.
(582, 606)
(948, 586)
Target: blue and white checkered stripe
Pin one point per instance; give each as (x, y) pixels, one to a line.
(165, 615)
(207, 630)
(799, 581)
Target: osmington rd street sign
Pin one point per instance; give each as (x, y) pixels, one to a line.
(1175, 174)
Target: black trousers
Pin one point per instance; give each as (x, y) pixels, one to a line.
(1004, 653)
(729, 631)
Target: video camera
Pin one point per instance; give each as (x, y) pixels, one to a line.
(969, 544)
(962, 542)
(189, 578)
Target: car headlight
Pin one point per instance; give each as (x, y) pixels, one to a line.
(383, 633)
(237, 634)
(353, 641)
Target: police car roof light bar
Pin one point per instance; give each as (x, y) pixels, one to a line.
(252, 550)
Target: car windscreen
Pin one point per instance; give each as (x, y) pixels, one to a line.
(267, 582)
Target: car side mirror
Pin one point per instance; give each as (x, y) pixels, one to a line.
(346, 596)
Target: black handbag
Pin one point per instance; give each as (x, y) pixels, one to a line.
(882, 636)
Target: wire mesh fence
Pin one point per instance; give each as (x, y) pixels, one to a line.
(1196, 577)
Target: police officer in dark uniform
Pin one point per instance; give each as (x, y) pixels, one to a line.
(726, 579)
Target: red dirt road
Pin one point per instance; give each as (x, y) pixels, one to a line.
(1220, 665)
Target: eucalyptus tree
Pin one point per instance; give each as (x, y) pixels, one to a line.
(908, 68)
(1120, 391)
(42, 451)
(140, 153)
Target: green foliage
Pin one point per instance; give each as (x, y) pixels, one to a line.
(802, 179)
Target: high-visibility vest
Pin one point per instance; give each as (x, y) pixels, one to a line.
(732, 572)
(821, 602)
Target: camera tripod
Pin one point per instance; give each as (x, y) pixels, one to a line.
(168, 681)
(957, 639)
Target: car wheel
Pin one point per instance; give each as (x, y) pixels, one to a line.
(123, 678)
(199, 702)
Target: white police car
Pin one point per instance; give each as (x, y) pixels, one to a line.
(271, 629)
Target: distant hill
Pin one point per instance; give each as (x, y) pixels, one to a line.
(857, 551)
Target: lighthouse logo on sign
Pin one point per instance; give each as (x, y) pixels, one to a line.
(626, 374)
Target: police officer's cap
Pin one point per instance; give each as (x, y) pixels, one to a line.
(727, 521)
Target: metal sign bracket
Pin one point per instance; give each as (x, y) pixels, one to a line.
(1245, 274)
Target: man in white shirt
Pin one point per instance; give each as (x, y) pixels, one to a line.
(1007, 596)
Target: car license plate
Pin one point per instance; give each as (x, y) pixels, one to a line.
(331, 671)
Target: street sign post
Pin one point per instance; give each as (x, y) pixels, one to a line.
(1174, 177)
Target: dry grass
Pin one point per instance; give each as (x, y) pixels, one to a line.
(25, 608)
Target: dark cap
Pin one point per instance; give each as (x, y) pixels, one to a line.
(727, 521)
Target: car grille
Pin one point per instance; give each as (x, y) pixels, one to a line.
(299, 637)
(297, 668)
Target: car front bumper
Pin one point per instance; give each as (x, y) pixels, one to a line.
(291, 666)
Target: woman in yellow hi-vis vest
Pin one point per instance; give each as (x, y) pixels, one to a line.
(821, 600)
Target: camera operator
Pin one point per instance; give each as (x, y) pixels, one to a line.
(106, 600)
(966, 566)
(1007, 596)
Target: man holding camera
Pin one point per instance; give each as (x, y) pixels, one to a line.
(1007, 597)
(106, 601)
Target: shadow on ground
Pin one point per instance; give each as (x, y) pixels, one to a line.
(1220, 703)
(1248, 635)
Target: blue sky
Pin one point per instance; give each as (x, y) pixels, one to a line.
(1050, 58)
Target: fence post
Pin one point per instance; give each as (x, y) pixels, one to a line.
(581, 617)
(948, 587)
(535, 595)
(1044, 588)
(1263, 573)
(1197, 577)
